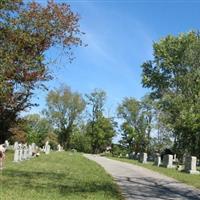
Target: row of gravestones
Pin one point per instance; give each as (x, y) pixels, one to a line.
(23, 151)
(189, 162)
(46, 149)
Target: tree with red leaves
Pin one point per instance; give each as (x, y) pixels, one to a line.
(27, 31)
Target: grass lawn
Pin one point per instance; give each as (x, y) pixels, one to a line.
(189, 179)
(57, 176)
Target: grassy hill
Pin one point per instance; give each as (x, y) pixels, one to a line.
(57, 176)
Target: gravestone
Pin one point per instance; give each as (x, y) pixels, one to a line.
(43, 149)
(168, 161)
(6, 143)
(137, 156)
(184, 157)
(47, 149)
(16, 155)
(143, 158)
(174, 158)
(33, 145)
(190, 164)
(16, 145)
(157, 160)
(59, 147)
(132, 155)
(20, 152)
(25, 152)
(36, 148)
(30, 153)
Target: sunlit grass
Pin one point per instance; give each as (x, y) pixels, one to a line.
(57, 176)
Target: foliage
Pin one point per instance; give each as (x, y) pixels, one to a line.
(99, 128)
(163, 135)
(52, 138)
(119, 150)
(17, 134)
(37, 129)
(174, 77)
(64, 107)
(160, 143)
(96, 101)
(80, 140)
(101, 132)
(136, 127)
(28, 30)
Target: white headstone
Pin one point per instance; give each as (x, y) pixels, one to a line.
(174, 158)
(20, 152)
(59, 147)
(6, 143)
(16, 155)
(157, 160)
(15, 145)
(30, 151)
(190, 165)
(168, 161)
(47, 151)
(46, 147)
(33, 147)
(25, 152)
(143, 158)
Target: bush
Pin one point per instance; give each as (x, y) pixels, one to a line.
(80, 142)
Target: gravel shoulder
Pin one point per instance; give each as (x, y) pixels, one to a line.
(140, 183)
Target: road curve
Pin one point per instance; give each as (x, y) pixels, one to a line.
(142, 184)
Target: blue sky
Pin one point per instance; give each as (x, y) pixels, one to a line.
(119, 35)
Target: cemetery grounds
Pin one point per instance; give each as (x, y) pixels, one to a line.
(57, 176)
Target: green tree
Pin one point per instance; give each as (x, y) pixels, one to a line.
(148, 109)
(100, 129)
(163, 137)
(136, 126)
(129, 137)
(96, 101)
(80, 140)
(37, 129)
(28, 30)
(174, 77)
(64, 107)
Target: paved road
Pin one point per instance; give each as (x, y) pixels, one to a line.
(142, 184)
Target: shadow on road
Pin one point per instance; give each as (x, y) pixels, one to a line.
(150, 188)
